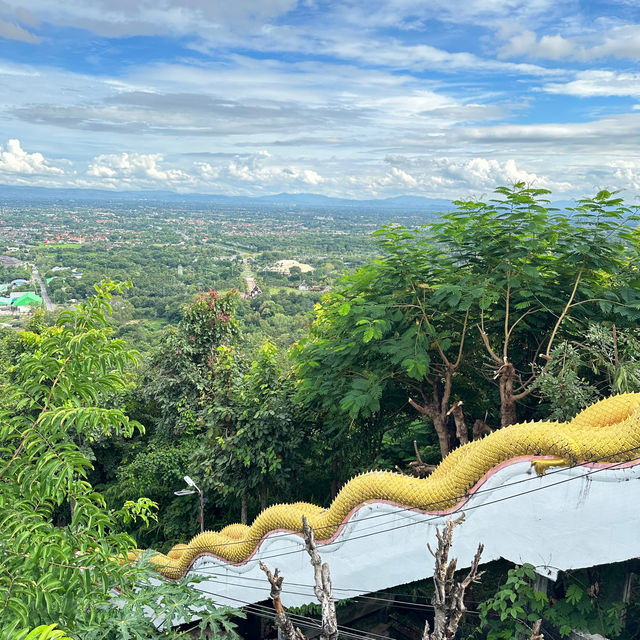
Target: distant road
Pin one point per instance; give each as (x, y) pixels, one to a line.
(48, 305)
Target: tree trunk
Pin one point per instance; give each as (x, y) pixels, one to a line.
(448, 595)
(507, 401)
(335, 481)
(243, 509)
(442, 429)
(461, 426)
(481, 428)
(263, 497)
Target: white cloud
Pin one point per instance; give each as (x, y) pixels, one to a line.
(626, 171)
(526, 43)
(259, 171)
(396, 178)
(135, 167)
(617, 41)
(119, 18)
(14, 159)
(595, 82)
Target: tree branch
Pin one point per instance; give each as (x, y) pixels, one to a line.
(565, 310)
(322, 588)
(535, 631)
(463, 335)
(282, 620)
(505, 346)
(448, 596)
(485, 339)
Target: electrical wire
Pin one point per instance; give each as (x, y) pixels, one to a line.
(298, 548)
(300, 619)
(307, 621)
(429, 506)
(348, 632)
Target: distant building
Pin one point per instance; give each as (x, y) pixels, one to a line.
(256, 291)
(24, 303)
(19, 302)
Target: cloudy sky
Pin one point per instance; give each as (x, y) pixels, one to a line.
(352, 98)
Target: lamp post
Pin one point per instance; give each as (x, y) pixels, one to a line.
(196, 489)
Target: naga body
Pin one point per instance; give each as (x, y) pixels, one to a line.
(607, 432)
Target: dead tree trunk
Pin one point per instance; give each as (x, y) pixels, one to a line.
(448, 597)
(535, 631)
(335, 470)
(461, 427)
(263, 497)
(418, 468)
(507, 400)
(481, 428)
(322, 588)
(282, 619)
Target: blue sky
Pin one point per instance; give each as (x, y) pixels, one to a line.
(350, 98)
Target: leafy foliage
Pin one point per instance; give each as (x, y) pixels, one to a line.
(252, 443)
(578, 605)
(515, 606)
(42, 632)
(477, 300)
(605, 362)
(62, 552)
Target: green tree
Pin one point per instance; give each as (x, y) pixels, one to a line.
(180, 372)
(63, 554)
(478, 299)
(536, 274)
(382, 334)
(252, 444)
(605, 362)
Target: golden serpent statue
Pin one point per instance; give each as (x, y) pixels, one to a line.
(607, 432)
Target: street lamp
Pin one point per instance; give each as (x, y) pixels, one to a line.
(187, 492)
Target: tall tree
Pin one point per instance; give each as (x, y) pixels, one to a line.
(180, 373)
(477, 299)
(536, 274)
(63, 555)
(252, 443)
(383, 333)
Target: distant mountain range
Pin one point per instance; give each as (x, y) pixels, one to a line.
(12, 194)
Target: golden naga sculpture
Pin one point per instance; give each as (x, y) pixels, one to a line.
(606, 432)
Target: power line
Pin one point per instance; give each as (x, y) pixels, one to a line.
(298, 548)
(429, 506)
(301, 619)
(408, 605)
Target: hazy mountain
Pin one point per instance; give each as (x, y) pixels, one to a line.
(10, 193)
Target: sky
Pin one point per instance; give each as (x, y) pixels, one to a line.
(347, 98)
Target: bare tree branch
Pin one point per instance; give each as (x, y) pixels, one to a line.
(281, 619)
(535, 631)
(322, 588)
(462, 337)
(461, 426)
(418, 468)
(448, 597)
(485, 338)
(565, 310)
